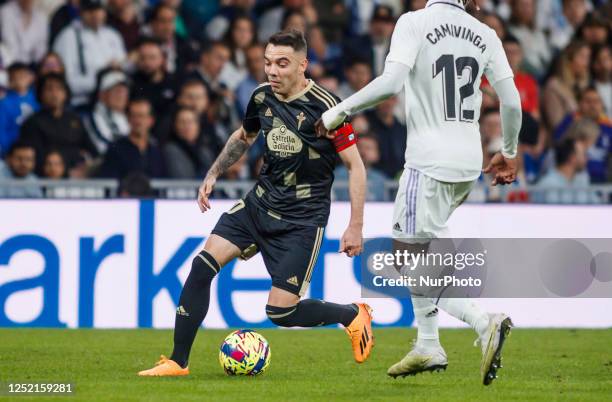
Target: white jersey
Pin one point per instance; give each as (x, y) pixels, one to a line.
(447, 51)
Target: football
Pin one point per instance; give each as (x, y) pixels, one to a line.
(244, 352)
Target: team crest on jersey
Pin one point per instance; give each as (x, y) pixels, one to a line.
(300, 118)
(283, 142)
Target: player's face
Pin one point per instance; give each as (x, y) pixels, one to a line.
(284, 67)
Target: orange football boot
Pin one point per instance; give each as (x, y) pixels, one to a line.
(165, 368)
(360, 332)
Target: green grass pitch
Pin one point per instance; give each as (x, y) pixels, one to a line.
(314, 365)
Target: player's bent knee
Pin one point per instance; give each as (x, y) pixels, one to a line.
(205, 265)
(282, 316)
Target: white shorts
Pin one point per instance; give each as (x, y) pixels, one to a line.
(423, 206)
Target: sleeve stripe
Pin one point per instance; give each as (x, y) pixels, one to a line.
(323, 100)
(325, 94)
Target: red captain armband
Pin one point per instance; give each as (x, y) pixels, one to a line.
(345, 137)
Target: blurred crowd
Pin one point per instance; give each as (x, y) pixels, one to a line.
(138, 89)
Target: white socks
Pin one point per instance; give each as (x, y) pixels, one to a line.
(467, 311)
(426, 314)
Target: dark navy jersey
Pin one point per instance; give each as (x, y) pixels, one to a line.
(297, 175)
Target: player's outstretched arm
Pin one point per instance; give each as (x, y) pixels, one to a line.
(236, 146)
(352, 240)
(504, 165)
(387, 85)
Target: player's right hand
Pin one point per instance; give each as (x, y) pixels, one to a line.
(204, 192)
(323, 132)
(503, 169)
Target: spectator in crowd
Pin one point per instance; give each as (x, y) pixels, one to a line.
(87, 46)
(271, 21)
(223, 101)
(333, 18)
(123, 17)
(367, 145)
(595, 31)
(323, 57)
(186, 155)
(179, 22)
(567, 182)
(20, 163)
(571, 77)
(494, 22)
(137, 152)
(51, 63)
(55, 126)
(601, 65)
(534, 43)
(62, 18)
(5, 61)
(391, 136)
(54, 166)
(374, 46)
(213, 59)
(240, 37)
(256, 76)
(591, 107)
(358, 74)
(24, 30)
(180, 53)
(136, 185)
(294, 20)
(574, 13)
(195, 96)
(492, 140)
(525, 82)
(107, 121)
(18, 104)
(151, 80)
(219, 25)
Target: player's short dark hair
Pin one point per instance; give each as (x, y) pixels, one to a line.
(292, 38)
(564, 150)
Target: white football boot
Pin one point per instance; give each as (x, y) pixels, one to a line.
(419, 360)
(492, 342)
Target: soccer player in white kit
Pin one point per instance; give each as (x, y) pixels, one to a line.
(438, 55)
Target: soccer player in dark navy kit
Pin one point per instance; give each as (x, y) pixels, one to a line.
(285, 214)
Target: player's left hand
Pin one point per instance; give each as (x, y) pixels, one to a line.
(503, 169)
(323, 132)
(352, 242)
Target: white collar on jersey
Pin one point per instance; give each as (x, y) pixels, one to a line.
(454, 3)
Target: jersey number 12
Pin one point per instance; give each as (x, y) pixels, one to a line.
(446, 65)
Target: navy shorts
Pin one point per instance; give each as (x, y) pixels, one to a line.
(289, 250)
